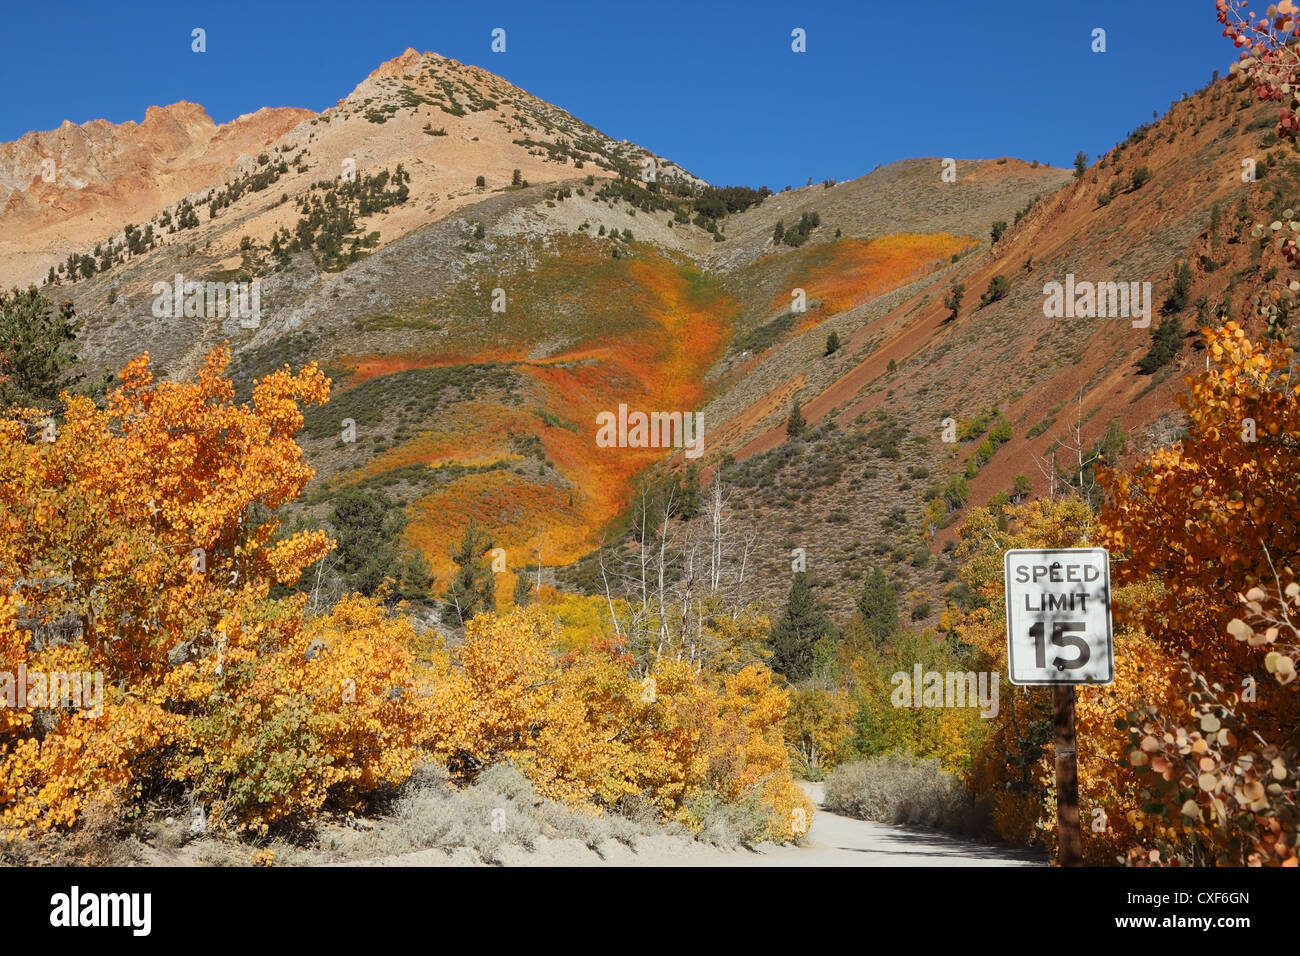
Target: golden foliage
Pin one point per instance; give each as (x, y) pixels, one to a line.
(149, 526)
(1013, 767)
(586, 729)
(1218, 511)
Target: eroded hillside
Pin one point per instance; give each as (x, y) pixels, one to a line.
(474, 332)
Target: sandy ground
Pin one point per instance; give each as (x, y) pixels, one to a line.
(833, 840)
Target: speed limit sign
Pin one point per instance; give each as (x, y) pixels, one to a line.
(1058, 616)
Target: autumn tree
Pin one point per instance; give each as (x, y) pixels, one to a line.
(129, 536)
(1216, 513)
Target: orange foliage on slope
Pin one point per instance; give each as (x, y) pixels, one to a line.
(366, 367)
(665, 325)
(848, 272)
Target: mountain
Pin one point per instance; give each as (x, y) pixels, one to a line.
(476, 332)
(62, 188)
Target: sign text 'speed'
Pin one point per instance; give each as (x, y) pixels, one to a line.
(1054, 573)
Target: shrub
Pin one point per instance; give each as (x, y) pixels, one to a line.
(952, 301)
(480, 181)
(1180, 291)
(902, 790)
(1166, 341)
(999, 287)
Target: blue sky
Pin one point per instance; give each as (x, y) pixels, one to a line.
(714, 87)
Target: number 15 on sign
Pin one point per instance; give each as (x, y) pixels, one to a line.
(1058, 616)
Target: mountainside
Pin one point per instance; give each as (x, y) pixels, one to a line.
(65, 187)
(474, 333)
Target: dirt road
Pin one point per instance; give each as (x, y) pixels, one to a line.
(833, 840)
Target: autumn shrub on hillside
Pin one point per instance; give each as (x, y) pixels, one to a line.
(140, 543)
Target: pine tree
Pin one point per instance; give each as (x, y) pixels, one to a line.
(832, 343)
(36, 349)
(473, 588)
(878, 605)
(687, 493)
(803, 627)
(523, 590)
(952, 301)
(417, 578)
(1166, 341)
(365, 524)
(1080, 163)
(794, 426)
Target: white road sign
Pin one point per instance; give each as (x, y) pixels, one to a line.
(1058, 616)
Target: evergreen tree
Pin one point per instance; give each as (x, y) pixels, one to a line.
(795, 425)
(878, 605)
(1166, 341)
(687, 493)
(1080, 163)
(523, 590)
(417, 578)
(365, 524)
(1180, 291)
(952, 301)
(36, 353)
(832, 343)
(473, 588)
(778, 234)
(802, 628)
